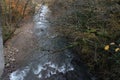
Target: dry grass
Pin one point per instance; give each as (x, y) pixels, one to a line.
(13, 14)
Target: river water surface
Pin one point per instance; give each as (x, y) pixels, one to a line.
(48, 62)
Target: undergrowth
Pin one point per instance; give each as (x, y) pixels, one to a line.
(14, 13)
(95, 26)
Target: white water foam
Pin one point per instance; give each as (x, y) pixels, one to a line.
(19, 74)
(39, 69)
(40, 20)
(41, 13)
(54, 69)
(49, 68)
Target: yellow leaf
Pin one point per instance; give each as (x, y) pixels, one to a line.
(117, 49)
(107, 47)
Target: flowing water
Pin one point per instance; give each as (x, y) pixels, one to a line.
(48, 62)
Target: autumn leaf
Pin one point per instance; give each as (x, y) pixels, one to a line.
(107, 47)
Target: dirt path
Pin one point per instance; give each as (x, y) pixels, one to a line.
(18, 48)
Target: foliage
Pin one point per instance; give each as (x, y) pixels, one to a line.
(13, 13)
(95, 25)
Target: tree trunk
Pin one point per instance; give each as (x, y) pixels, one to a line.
(1, 45)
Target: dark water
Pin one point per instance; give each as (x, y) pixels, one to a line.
(49, 61)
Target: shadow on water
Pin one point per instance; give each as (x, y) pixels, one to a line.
(44, 64)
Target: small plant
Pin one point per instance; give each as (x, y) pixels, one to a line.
(114, 50)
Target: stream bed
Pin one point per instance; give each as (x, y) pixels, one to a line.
(48, 62)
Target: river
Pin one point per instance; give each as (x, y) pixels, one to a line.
(48, 62)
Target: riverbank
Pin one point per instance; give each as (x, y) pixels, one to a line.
(95, 27)
(18, 47)
(89, 35)
(43, 63)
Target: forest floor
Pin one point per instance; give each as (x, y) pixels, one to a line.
(18, 47)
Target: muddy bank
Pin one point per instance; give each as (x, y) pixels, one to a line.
(18, 47)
